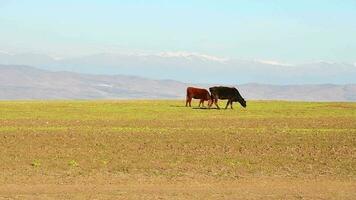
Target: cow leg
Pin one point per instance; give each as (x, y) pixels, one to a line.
(187, 101)
(214, 100)
(210, 103)
(216, 103)
(231, 104)
(228, 102)
(201, 102)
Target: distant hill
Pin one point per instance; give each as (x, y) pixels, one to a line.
(192, 68)
(24, 82)
(323, 92)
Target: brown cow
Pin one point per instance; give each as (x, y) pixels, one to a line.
(197, 93)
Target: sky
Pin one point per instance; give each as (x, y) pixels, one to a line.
(275, 30)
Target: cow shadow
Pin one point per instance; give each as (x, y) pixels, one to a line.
(176, 106)
(204, 108)
(195, 108)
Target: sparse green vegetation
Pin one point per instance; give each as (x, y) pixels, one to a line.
(36, 163)
(73, 163)
(163, 142)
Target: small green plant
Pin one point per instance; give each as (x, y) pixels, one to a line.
(36, 163)
(73, 163)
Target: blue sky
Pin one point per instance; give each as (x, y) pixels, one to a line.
(282, 30)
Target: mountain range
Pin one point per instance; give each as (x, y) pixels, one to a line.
(25, 82)
(192, 68)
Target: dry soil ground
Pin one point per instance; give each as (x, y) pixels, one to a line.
(163, 150)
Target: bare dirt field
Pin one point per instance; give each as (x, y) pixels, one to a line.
(163, 150)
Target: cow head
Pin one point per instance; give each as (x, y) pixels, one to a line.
(239, 98)
(243, 102)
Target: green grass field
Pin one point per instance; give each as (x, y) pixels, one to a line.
(161, 149)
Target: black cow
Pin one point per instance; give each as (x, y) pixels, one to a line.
(230, 93)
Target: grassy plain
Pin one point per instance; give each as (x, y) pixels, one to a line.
(163, 150)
